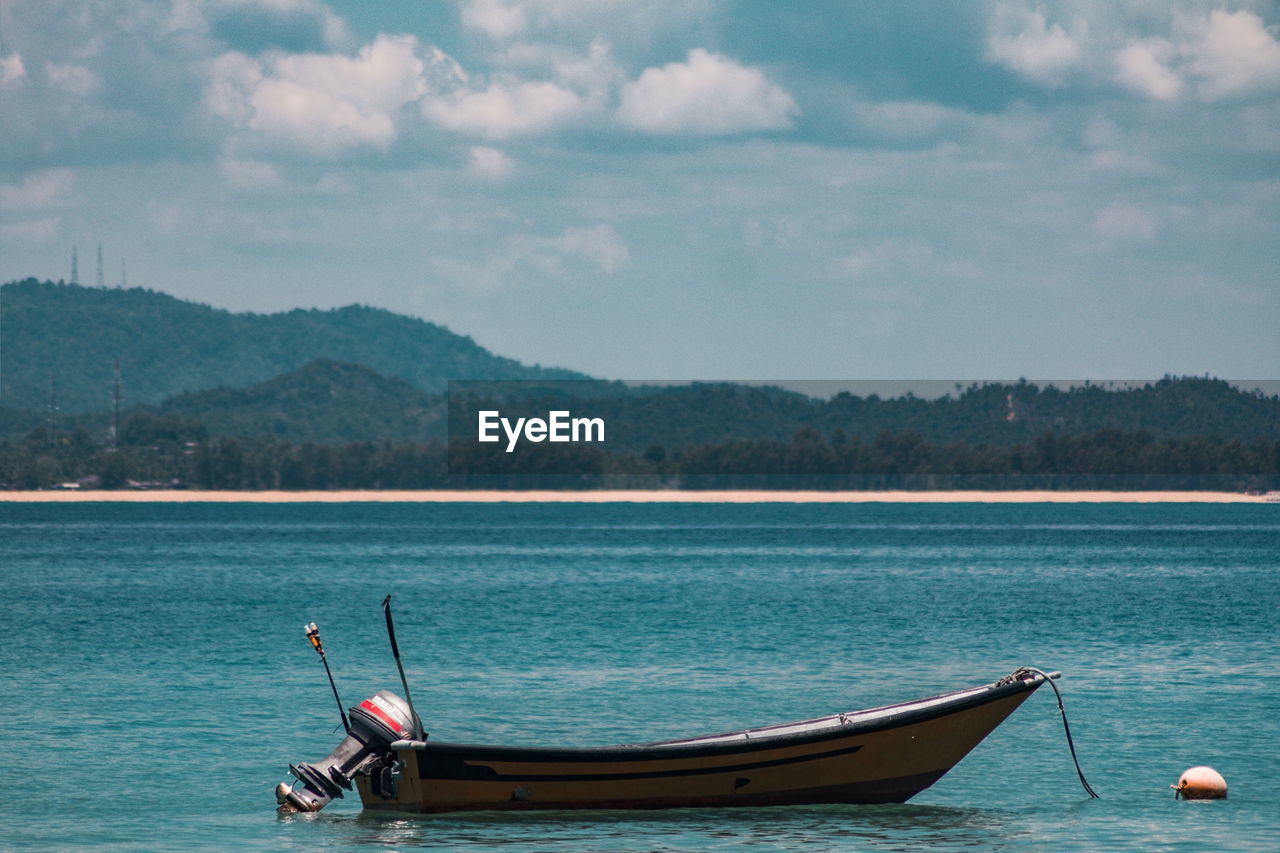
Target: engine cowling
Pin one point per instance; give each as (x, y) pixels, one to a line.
(376, 723)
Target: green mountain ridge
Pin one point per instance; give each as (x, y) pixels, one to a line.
(331, 424)
(71, 335)
(364, 374)
(324, 401)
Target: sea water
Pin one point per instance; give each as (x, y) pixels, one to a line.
(156, 682)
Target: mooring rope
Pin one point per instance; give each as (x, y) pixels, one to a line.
(1066, 728)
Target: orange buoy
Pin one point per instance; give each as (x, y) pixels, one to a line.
(1201, 783)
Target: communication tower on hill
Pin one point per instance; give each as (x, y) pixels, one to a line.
(75, 267)
(100, 281)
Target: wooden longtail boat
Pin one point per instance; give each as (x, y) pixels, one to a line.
(879, 755)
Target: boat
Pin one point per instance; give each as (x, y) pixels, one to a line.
(878, 755)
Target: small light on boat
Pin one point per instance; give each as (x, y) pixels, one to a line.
(1201, 783)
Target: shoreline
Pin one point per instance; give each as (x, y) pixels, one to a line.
(631, 496)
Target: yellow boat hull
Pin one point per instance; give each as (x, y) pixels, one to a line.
(884, 755)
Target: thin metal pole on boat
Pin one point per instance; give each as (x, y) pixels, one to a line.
(313, 634)
(395, 651)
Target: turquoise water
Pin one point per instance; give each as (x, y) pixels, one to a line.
(157, 682)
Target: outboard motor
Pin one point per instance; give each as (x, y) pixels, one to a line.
(376, 723)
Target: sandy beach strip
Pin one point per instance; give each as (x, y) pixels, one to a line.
(655, 496)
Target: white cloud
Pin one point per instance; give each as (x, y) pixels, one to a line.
(72, 78)
(322, 103)
(636, 24)
(32, 230)
(707, 94)
(11, 69)
(1233, 54)
(488, 162)
(327, 102)
(1141, 67)
(593, 76)
(1124, 222)
(42, 189)
(234, 79)
(896, 260)
(506, 108)
(599, 244)
(907, 120)
(1120, 161)
(495, 18)
(1023, 41)
(527, 258)
(1222, 56)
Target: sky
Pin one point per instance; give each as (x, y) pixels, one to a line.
(733, 189)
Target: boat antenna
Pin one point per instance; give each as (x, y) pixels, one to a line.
(395, 651)
(313, 634)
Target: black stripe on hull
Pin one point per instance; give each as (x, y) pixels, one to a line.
(440, 767)
(897, 790)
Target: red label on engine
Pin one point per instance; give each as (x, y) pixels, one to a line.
(384, 716)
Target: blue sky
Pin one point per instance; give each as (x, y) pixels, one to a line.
(701, 189)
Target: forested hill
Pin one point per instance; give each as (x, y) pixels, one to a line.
(325, 401)
(71, 335)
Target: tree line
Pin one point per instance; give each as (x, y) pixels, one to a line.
(154, 451)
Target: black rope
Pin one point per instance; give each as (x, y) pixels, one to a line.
(1066, 728)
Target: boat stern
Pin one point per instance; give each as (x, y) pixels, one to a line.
(368, 752)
